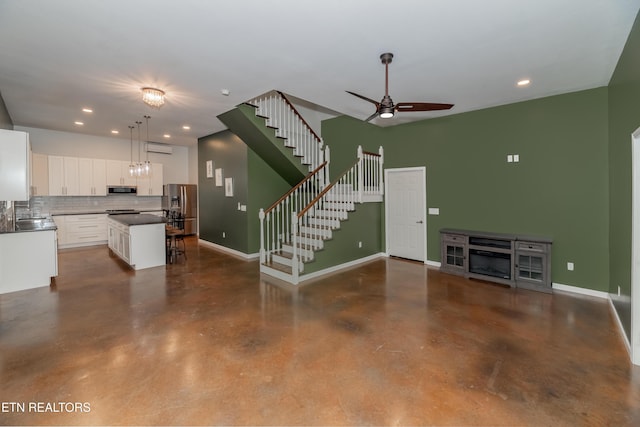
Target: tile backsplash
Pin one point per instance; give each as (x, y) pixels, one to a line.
(49, 205)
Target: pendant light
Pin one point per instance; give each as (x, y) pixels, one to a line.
(147, 163)
(132, 166)
(139, 164)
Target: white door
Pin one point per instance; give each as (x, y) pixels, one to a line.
(405, 206)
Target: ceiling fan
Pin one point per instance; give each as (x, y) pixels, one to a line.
(386, 108)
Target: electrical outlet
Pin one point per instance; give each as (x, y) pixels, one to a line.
(359, 244)
(618, 290)
(224, 235)
(570, 266)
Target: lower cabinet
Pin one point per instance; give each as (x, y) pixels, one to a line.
(454, 253)
(81, 230)
(119, 240)
(27, 260)
(533, 265)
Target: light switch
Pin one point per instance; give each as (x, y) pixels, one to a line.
(509, 158)
(243, 208)
(516, 158)
(239, 208)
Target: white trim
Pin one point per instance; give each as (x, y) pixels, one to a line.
(578, 290)
(436, 264)
(620, 327)
(248, 257)
(422, 169)
(335, 268)
(635, 247)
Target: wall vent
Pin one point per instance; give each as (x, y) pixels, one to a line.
(159, 148)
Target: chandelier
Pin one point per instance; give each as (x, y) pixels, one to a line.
(153, 97)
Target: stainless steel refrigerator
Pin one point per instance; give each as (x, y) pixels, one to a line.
(182, 200)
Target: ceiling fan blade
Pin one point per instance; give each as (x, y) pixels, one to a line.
(371, 117)
(421, 106)
(364, 97)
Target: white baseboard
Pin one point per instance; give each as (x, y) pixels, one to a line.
(620, 327)
(435, 264)
(221, 248)
(315, 274)
(578, 290)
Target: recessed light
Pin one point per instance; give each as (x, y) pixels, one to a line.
(166, 135)
(186, 127)
(87, 110)
(115, 131)
(524, 82)
(79, 123)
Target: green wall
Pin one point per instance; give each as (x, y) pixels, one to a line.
(558, 189)
(256, 185)
(624, 119)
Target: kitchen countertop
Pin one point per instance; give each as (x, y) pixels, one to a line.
(137, 219)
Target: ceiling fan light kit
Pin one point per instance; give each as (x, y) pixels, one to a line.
(386, 109)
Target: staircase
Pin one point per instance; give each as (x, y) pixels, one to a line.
(298, 224)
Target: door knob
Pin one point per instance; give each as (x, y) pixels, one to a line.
(419, 222)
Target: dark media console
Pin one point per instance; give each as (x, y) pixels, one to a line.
(508, 259)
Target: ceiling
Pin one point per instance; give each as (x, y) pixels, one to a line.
(60, 56)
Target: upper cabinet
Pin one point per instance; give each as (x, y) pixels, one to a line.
(39, 174)
(92, 175)
(64, 176)
(118, 173)
(14, 165)
(151, 185)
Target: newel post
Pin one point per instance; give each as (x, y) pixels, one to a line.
(262, 252)
(295, 265)
(381, 166)
(360, 169)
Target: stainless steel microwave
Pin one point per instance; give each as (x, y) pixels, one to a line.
(121, 189)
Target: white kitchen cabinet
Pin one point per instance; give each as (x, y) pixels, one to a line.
(92, 175)
(81, 230)
(151, 185)
(118, 173)
(63, 176)
(27, 260)
(14, 165)
(141, 245)
(39, 174)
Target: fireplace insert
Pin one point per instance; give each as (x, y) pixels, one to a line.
(490, 257)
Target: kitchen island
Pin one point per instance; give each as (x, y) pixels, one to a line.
(139, 239)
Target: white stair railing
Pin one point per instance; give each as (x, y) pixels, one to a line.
(283, 116)
(276, 225)
(316, 222)
(370, 175)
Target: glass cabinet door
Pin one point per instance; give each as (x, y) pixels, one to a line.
(455, 255)
(531, 267)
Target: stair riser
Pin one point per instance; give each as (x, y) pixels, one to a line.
(286, 261)
(335, 214)
(333, 223)
(306, 253)
(324, 233)
(339, 206)
(316, 243)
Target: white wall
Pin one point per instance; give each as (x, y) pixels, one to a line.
(177, 167)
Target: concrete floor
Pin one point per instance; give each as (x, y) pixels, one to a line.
(208, 341)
